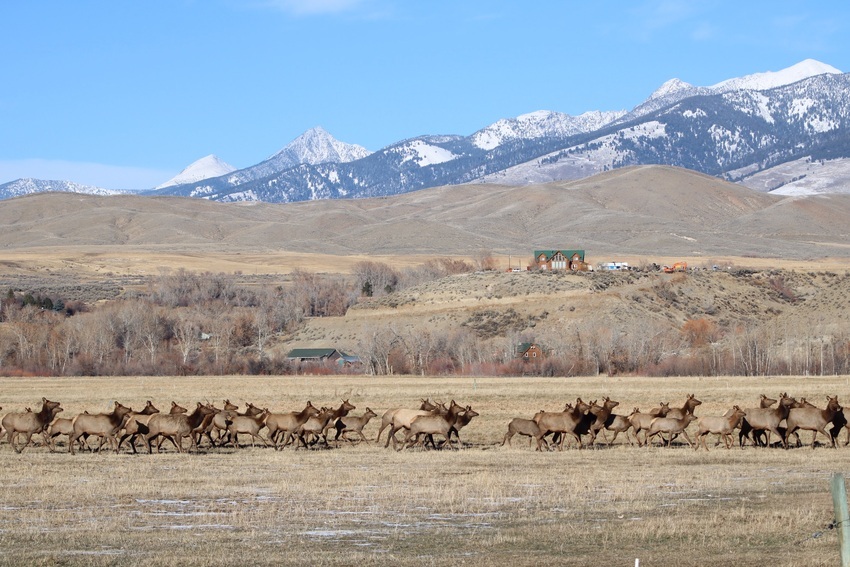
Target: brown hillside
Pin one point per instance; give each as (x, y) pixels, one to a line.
(648, 212)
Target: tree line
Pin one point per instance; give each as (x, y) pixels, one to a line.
(205, 323)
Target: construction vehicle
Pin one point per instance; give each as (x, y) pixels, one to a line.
(677, 267)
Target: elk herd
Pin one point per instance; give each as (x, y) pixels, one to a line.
(772, 422)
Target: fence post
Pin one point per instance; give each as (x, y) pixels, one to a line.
(842, 518)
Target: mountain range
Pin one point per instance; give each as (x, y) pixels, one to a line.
(784, 132)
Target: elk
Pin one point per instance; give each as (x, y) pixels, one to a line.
(137, 424)
(175, 426)
(281, 424)
(618, 424)
(249, 424)
(641, 421)
(61, 426)
(314, 427)
(661, 411)
(561, 422)
(104, 425)
(425, 425)
(722, 426)
(463, 419)
(401, 419)
(387, 418)
(526, 427)
(813, 419)
(218, 420)
(746, 429)
(341, 411)
(767, 419)
(30, 423)
(687, 408)
(670, 425)
(603, 416)
(352, 424)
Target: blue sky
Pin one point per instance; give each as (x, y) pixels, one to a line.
(126, 94)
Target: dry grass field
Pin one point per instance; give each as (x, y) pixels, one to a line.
(368, 505)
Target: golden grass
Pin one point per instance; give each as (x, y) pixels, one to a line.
(366, 504)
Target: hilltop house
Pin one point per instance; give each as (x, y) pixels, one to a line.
(559, 259)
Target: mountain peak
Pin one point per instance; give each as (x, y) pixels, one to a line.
(670, 87)
(316, 146)
(771, 79)
(204, 168)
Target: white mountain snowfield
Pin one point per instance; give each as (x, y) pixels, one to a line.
(314, 147)
(771, 79)
(28, 185)
(542, 123)
(204, 168)
(317, 147)
(602, 156)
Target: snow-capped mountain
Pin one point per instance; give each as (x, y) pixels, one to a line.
(770, 80)
(204, 168)
(767, 130)
(541, 124)
(28, 185)
(314, 147)
(675, 90)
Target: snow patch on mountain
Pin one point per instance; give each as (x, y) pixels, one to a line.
(29, 185)
(425, 154)
(317, 146)
(540, 124)
(671, 87)
(204, 168)
(804, 176)
(772, 79)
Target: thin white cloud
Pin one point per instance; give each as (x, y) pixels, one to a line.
(96, 174)
(316, 7)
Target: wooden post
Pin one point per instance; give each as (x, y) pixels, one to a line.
(842, 518)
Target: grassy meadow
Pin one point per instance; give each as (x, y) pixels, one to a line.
(363, 504)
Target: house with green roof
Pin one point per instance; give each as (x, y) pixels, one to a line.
(321, 355)
(559, 260)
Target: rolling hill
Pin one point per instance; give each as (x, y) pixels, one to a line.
(645, 211)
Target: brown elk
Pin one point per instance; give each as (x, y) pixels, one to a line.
(563, 422)
(62, 426)
(672, 427)
(352, 424)
(722, 426)
(462, 420)
(401, 419)
(247, 424)
(103, 425)
(661, 411)
(525, 427)
(312, 429)
(175, 426)
(426, 425)
(813, 419)
(746, 429)
(218, 420)
(767, 419)
(137, 424)
(341, 411)
(603, 416)
(641, 421)
(619, 424)
(687, 408)
(387, 418)
(30, 423)
(281, 424)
